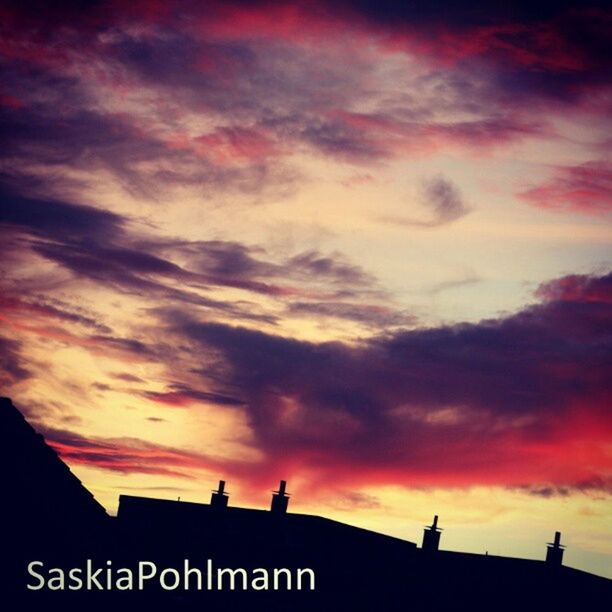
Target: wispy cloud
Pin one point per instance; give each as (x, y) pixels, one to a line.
(584, 189)
(441, 200)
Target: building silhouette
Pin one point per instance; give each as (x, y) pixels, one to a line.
(43, 492)
(50, 515)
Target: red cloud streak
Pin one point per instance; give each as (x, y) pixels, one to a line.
(586, 188)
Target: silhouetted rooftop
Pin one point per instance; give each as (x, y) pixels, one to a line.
(44, 492)
(50, 514)
(195, 524)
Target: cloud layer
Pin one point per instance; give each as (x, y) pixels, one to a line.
(119, 91)
(131, 129)
(515, 400)
(458, 404)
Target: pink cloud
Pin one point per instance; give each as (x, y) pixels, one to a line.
(577, 288)
(586, 189)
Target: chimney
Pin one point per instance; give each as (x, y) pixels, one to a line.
(554, 552)
(219, 498)
(280, 499)
(431, 536)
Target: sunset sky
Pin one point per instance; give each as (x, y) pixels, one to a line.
(361, 246)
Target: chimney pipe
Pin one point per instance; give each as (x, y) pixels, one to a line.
(554, 551)
(280, 499)
(431, 537)
(219, 498)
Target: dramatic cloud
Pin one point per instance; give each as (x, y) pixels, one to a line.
(101, 247)
(123, 92)
(463, 404)
(213, 223)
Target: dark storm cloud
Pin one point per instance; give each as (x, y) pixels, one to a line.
(122, 264)
(53, 218)
(550, 50)
(462, 14)
(476, 393)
